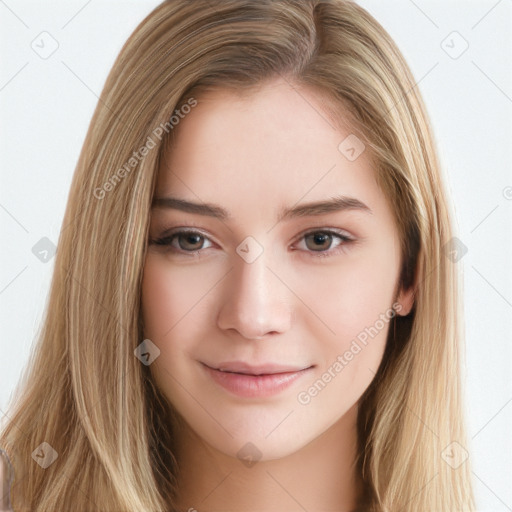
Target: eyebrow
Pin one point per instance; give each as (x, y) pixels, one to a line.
(335, 204)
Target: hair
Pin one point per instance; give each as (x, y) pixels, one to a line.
(83, 391)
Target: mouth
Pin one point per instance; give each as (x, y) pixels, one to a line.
(250, 381)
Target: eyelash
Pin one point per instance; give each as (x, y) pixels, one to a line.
(344, 241)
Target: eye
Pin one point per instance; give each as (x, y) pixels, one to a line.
(183, 241)
(319, 243)
(323, 242)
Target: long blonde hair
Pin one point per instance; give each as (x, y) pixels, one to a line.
(91, 400)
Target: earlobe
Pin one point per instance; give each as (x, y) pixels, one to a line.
(405, 300)
(406, 297)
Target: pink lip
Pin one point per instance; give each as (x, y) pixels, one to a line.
(254, 381)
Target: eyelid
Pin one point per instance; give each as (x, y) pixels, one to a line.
(345, 241)
(170, 233)
(325, 229)
(344, 236)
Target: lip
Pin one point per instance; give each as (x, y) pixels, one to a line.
(248, 369)
(250, 381)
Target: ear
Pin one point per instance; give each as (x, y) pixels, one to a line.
(406, 300)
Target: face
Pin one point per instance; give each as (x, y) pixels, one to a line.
(270, 317)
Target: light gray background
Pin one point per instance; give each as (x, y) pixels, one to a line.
(46, 105)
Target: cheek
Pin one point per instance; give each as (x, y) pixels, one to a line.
(350, 296)
(347, 361)
(178, 302)
(353, 302)
(173, 295)
(172, 298)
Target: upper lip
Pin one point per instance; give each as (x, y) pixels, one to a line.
(264, 369)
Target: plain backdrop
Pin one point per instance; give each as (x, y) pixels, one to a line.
(460, 54)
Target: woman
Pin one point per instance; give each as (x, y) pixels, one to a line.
(251, 308)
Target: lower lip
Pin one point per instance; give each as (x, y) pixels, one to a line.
(249, 386)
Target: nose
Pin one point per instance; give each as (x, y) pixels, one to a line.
(255, 302)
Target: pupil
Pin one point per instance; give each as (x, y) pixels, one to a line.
(321, 239)
(192, 239)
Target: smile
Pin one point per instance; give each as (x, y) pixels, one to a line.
(254, 382)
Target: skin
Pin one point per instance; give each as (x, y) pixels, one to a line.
(254, 156)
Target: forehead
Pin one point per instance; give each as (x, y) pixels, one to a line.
(264, 149)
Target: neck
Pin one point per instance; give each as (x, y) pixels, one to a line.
(321, 476)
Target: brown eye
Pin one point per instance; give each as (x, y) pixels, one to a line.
(189, 241)
(183, 242)
(326, 242)
(319, 241)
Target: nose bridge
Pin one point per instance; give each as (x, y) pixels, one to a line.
(254, 303)
(252, 281)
